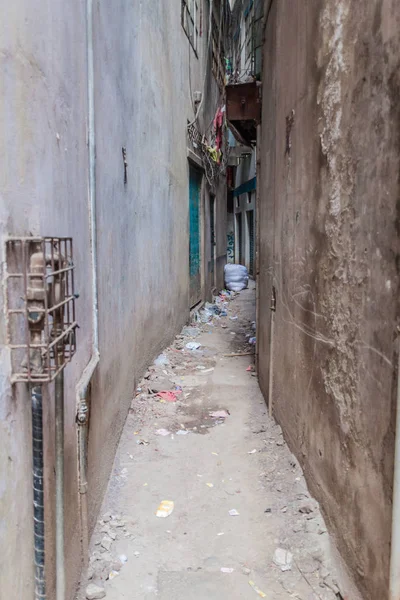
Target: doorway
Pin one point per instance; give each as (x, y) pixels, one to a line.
(195, 179)
(250, 234)
(212, 241)
(239, 239)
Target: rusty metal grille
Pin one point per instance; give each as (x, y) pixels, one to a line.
(42, 360)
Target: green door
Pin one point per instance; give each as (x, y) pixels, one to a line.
(195, 177)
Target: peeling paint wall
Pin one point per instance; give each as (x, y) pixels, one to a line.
(329, 244)
(142, 103)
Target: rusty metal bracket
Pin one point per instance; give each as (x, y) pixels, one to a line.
(39, 306)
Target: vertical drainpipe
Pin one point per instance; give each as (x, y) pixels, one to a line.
(82, 388)
(394, 584)
(257, 213)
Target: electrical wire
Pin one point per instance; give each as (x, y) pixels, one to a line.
(205, 70)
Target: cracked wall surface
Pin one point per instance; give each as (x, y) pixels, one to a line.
(329, 244)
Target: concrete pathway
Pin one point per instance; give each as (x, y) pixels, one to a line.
(243, 523)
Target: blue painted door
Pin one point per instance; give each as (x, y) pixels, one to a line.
(195, 177)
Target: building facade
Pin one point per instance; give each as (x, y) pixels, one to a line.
(142, 85)
(329, 248)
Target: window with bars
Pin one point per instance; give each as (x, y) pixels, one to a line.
(190, 21)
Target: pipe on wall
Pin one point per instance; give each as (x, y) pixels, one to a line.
(59, 464)
(82, 388)
(394, 583)
(38, 491)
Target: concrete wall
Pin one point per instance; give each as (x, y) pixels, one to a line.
(329, 244)
(142, 103)
(43, 190)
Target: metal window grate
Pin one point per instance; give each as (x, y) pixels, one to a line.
(44, 297)
(189, 19)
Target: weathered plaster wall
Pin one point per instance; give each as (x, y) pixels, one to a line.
(142, 103)
(43, 190)
(329, 244)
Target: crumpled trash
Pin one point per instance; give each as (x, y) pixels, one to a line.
(236, 277)
(233, 512)
(193, 345)
(163, 432)
(227, 570)
(142, 442)
(123, 558)
(283, 559)
(112, 574)
(168, 396)
(252, 341)
(165, 509)
(182, 432)
(219, 414)
(257, 589)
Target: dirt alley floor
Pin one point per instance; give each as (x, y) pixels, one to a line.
(211, 467)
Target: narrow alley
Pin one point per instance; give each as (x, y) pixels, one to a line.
(198, 434)
(199, 300)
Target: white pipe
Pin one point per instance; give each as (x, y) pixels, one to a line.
(92, 173)
(394, 585)
(84, 382)
(59, 463)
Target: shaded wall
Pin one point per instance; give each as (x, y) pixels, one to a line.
(329, 244)
(43, 191)
(142, 103)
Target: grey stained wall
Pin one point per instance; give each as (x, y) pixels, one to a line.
(329, 244)
(142, 103)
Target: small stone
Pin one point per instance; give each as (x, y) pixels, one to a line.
(106, 542)
(107, 557)
(283, 559)
(95, 556)
(107, 517)
(298, 527)
(246, 571)
(90, 572)
(94, 592)
(306, 509)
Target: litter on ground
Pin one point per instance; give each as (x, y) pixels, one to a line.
(168, 396)
(218, 414)
(165, 509)
(163, 432)
(257, 589)
(193, 345)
